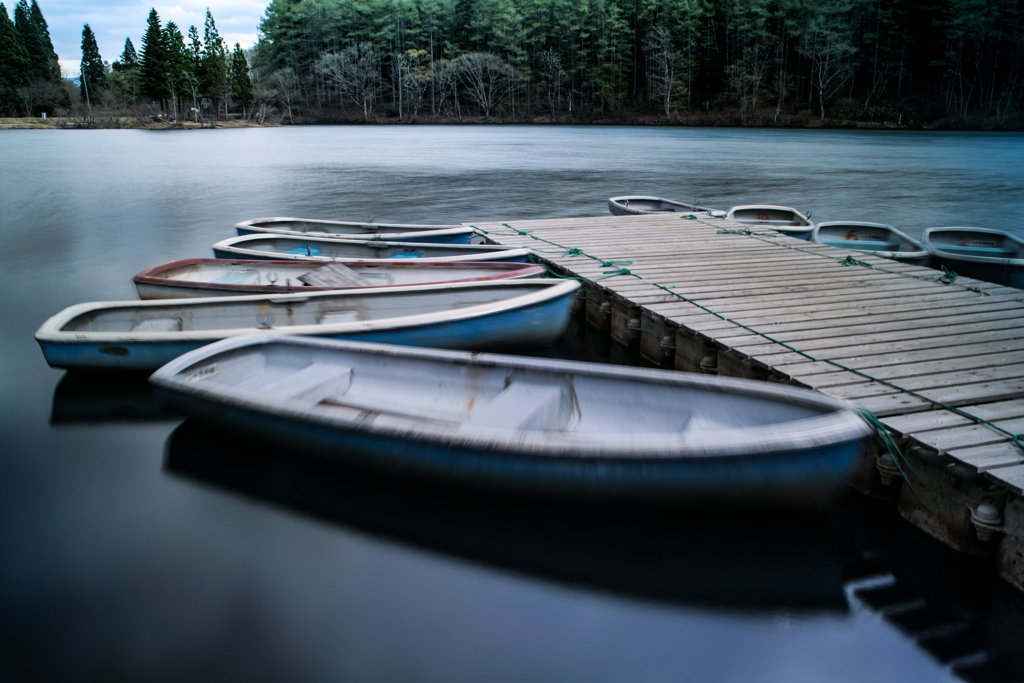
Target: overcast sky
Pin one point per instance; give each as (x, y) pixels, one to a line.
(114, 20)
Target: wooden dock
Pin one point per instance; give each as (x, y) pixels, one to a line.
(704, 294)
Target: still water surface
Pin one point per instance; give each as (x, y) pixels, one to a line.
(135, 547)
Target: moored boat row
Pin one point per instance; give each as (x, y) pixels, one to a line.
(255, 341)
(990, 255)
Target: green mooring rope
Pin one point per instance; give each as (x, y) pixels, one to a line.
(884, 434)
(850, 261)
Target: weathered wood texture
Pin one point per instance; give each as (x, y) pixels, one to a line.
(772, 307)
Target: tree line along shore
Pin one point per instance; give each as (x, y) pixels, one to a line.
(786, 63)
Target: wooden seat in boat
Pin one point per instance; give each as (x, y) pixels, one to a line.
(523, 405)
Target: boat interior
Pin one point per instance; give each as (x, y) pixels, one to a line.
(373, 250)
(985, 243)
(865, 237)
(288, 310)
(339, 227)
(469, 397)
(657, 204)
(768, 215)
(298, 274)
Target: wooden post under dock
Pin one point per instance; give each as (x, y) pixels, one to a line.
(699, 294)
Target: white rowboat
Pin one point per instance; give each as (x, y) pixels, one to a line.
(524, 422)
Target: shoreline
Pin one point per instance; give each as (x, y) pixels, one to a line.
(711, 120)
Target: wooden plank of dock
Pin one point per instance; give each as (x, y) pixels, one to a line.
(700, 293)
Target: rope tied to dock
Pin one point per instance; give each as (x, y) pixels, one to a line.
(573, 252)
(891, 446)
(613, 273)
(746, 231)
(948, 277)
(850, 261)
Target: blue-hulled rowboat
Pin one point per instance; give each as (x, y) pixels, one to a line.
(874, 238)
(282, 247)
(525, 423)
(141, 335)
(989, 255)
(394, 232)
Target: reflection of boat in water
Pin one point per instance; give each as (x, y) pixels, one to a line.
(714, 557)
(83, 396)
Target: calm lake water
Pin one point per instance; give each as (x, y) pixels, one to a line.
(137, 547)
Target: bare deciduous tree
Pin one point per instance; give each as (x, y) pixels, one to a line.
(553, 78)
(665, 65)
(413, 76)
(486, 76)
(355, 72)
(288, 87)
(826, 43)
(446, 88)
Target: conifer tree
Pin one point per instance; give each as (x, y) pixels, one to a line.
(179, 66)
(129, 59)
(213, 63)
(39, 52)
(14, 64)
(153, 61)
(125, 76)
(241, 84)
(44, 31)
(93, 77)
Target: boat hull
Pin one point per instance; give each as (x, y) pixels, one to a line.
(273, 248)
(989, 255)
(813, 446)
(637, 205)
(1007, 272)
(536, 324)
(872, 238)
(151, 284)
(781, 219)
(449, 236)
(791, 477)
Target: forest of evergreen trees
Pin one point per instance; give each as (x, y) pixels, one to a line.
(955, 63)
(167, 75)
(957, 60)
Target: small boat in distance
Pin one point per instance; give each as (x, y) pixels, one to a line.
(635, 205)
(989, 255)
(784, 219)
(143, 335)
(874, 238)
(234, 277)
(394, 232)
(282, 247)
(525, 423)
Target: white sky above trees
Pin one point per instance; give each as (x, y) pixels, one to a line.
(114, 20)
